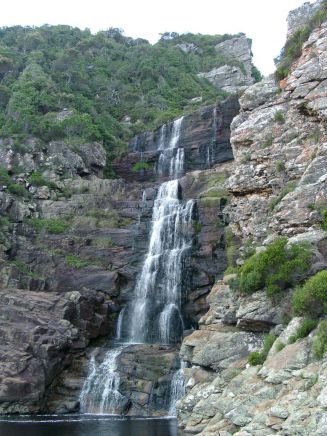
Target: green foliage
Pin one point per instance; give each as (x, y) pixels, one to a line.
(275, 269)
(231, 248)
(256, 74)
(324, 220)
(311, 298)
(305, 328)
(74, 261)
(17, 189)
(231, 270)
(51, 225)
(280, 166)
(268, 142)
(23, 268)
(36, 179)
(100, 78)
(258, 358)
(286, 190)
(280, 346)
(279, 117)
(319, 345)
(219, 223)
(141, 166)
(293, 47)
(5, 178)
(197, 226)
(248, 248)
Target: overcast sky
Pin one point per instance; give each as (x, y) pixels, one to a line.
(262, 20)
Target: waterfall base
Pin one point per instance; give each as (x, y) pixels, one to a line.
(146, 373)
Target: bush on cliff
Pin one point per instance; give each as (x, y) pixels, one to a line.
(258, 357)
(311, 298)
(320, 341)
(293, 47)
(278, 267)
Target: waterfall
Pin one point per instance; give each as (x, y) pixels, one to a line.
(120, 324)
(210, 146)
(100, 392)
(177, 390)
(155, 313)
(171, 159)
(158, 289)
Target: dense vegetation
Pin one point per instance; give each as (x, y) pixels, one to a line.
(311, 298)
(275, 269)
(293, 47)
(110, 86)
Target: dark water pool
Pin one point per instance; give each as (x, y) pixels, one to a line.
(86, 426)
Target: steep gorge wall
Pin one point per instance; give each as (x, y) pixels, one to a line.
(277, 188)
(73, 247)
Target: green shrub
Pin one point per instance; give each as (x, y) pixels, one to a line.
(305, 328)
(220, 224)
(280, 346)
(50, 225)
(278, 267)
(319, 345)
(268, 142)
(311, 298)
(197, 226)
(23, 268)
(231, 247)
(231, 270)
(258, 357)
(286, 190)
(17, 189)
(37, 179)
(324, 219)
(279, 117)
(293, 47)
(75, 261)
(280, 166)
(5, 179)
(141, 166)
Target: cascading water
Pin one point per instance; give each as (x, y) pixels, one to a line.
(155, 313)
(100, 392)
(213, 141)
(177, 389)
(156, 309)
(171, 159)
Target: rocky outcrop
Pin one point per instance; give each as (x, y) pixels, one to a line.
(38, 330)
(145, 376)
(277, 187)
(300, 16)
(204, 137)
(225, 395)
(279, 144)
(237, 75)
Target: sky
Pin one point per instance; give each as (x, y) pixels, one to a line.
(264, 21)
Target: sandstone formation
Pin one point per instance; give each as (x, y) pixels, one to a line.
(232, 78)
(277, 188)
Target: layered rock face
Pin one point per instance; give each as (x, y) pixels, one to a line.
(300, 16)
(204, 137)
(279, 143)
(232, 78)
(78, 236)
(286, 395)
(277, 186)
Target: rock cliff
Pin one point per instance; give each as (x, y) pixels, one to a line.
(73, 243)
(277, 188)
(232, 78)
